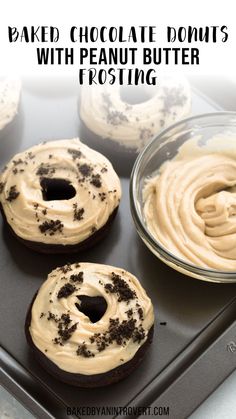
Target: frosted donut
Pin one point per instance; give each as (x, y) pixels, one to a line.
(9, 100)
(89, 324)
(108, 111)
(59, 196)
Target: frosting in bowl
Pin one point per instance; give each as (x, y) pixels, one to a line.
(190, 209)
(70, 339)
(90, 190)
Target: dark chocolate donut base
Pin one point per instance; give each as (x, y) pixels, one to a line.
(69, 248)
(81, 380)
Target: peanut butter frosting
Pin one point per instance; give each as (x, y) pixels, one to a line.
(62, 329)
(190, 209)
(58, 192)
(107, 114)
(9, 100)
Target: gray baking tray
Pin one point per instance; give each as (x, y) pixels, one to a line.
(193, 318)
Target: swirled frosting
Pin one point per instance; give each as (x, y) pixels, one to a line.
(59, 165)
(9, 100)
(70, 339)
(190, 209)
(108, 115)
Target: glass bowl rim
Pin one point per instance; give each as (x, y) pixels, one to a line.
(138, 220)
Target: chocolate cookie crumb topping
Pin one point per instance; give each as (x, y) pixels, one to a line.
(116, 117)
(64, 331)
(65, 318)
(145, 134)
(67, 332)
(30, 155)
(129, 312)
(96, 181)
(76, 154)
(13, 194)
(119, 333)
(52, 316)
(77, 277)
(85, 169)
(140, 313)
(66, 268)
(45, 170)
(78, 213)
(121, 288)
(139, 334)
(101, 346)
(102, 196)
(16, 162)
(83, 351)
(51, 227)
(173, 96)
(77, 265)
(104, 170)
(57, 341)
(66, 290)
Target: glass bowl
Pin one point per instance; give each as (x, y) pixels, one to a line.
(165, 147)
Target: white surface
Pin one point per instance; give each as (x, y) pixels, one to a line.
(215, 58)
(221, 404)
(233, 78)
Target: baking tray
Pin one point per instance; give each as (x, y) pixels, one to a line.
(192, 316)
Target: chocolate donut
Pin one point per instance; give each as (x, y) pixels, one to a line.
(90, 325)
(129, 118)
(59, 196)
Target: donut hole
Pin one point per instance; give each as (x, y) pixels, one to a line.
(57, 189)
(93, 307)
(134, 95)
